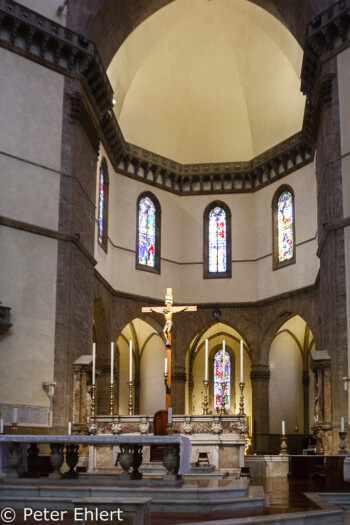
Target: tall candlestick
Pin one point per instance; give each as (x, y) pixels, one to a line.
(342, 424)
(15, 415)
(241, 361)
(130, 360)
(69, 428)
(1, 426)
(283, 428)
(206, 361)
(170, 415)
(223, 361)
(166, 366)
(112, 362)
(94, 363)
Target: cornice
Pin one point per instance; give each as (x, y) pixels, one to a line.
(42, 40)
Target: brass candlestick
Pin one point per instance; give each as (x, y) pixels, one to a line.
(222, 409)
(284, 447)
(93, 403)
(205, 402)
(342, 445)
(111, 399)
(169, 429)
(14, 428)
(130, 404)
(241, 399)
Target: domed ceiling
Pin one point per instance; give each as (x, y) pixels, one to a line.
(208, 81)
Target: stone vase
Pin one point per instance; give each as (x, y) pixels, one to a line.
(171, 462)
(126, 459)
(14, 460)
(72, 457)
(56, 460)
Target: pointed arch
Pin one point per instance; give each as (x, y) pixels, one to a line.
(217, 241)
(148, 220)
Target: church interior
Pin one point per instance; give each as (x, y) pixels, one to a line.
(174, 221)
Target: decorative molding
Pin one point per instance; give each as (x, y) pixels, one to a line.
(57, 47)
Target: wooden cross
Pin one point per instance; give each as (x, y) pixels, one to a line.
(168, 312)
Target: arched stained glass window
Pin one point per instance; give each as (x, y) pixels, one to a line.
(147, 232)
(148, 235)
(219, 379)
(284, 227)
(217, 240)
(102, 210)
(101, 198)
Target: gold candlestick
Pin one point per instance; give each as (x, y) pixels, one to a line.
(111, 399)
(241, 400)
(222, 409)
(93, 404)
(130, 404)
(205, 402)
(284, 446)
(14, 428)
(169, 429)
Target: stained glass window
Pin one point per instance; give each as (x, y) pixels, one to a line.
(147, 232)
(217, 240)
(101, 207)
(218, 380)
(285, 227)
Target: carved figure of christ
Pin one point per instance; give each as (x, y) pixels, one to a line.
(168, 311)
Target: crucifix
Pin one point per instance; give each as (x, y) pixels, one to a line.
(168, 311)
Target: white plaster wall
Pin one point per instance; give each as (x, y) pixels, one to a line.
(38, 201)
(31, 110)
(31, 102)
(344, 109)
(28, 286)
(182, 243)
(152, 390)
(286, 389)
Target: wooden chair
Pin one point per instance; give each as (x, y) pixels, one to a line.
(160, 421)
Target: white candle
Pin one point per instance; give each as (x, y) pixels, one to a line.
(93, 363)
(283, 428)
(15, 415)
(342, 425)
(69, 428)
(206, 360)
(170, 415)
(112, 362)
(130, 360)
(241, 361)
(1, 426)
(166, 366)
(223, 361)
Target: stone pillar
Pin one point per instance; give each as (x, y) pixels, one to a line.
(320, 364)
(260, 379)
(306, 383)
(75, 259)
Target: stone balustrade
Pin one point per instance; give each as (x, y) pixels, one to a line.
(176, 455)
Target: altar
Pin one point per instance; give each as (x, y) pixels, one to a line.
(221, 437)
